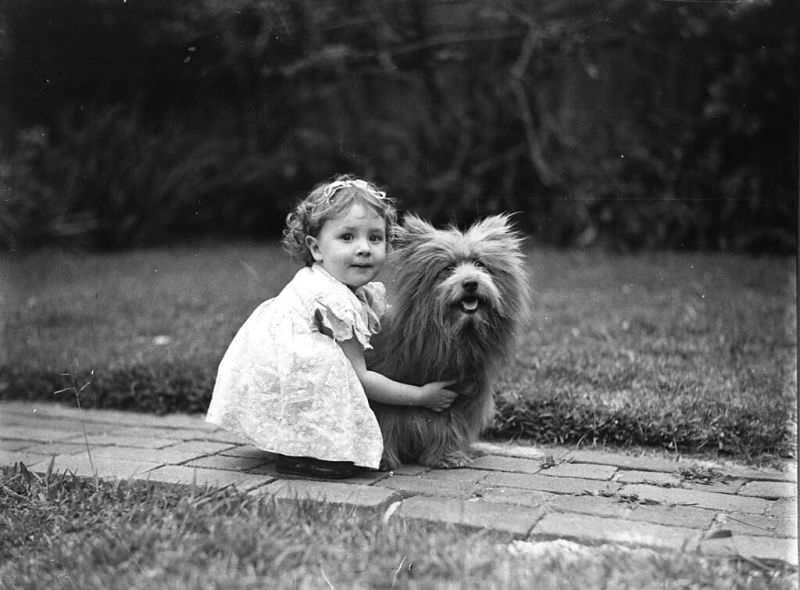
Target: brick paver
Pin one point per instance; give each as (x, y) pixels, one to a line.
(516, 496)
(643, 462)
(8, 457)
(586, 528)
(97, 466)
(167, 455)
(769, 489)
(723, 486)
(227, 462)
(784, 508)
(778, 549)
(620, 507)
(182, 434)
(123, 440)
(14, 445)
(581, 470)
(521, 451)
(36, 434)
(422, 486)
(57, 448)
(589, 496)
(757, 525)
(246, 451)
(701, 499)
(338, 493)
(514, 464)
(747, 472)
(653, 477)
(471, 514)
(557, 485)
(457, 476)
(182, 474)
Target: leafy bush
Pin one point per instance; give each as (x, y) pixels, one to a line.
(29, 209)
(112, 180)
(645, 124)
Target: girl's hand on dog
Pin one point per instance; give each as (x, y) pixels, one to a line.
(436, 397)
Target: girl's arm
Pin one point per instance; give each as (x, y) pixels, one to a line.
(381, 389)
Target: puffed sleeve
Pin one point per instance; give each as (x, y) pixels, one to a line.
(342, 318)
(343, 315)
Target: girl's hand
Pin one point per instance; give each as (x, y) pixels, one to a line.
(435, 397)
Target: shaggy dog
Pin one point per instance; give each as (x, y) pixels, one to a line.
(458, 302)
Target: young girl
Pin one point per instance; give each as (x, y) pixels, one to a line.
(294, 380)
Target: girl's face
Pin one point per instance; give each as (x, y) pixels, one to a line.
(352, 246)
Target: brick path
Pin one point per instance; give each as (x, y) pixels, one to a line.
(534, 493)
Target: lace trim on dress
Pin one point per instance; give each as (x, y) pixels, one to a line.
(361, 320)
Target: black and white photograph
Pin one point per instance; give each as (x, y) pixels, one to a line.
(399, 294)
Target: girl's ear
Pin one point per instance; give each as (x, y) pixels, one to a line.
(313, 246)
(413, 229)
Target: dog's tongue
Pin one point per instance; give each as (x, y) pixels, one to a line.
(469, 304)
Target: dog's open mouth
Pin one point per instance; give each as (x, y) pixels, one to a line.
(470, 304)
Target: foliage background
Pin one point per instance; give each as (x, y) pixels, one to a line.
(631, 124)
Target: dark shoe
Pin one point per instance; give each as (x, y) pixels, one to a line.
(316, 468)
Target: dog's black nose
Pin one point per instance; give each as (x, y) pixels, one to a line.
(470, 286)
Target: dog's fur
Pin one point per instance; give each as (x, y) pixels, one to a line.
(459, 299)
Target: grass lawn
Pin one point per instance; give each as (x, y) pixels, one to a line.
(58, 531)
(692, 352)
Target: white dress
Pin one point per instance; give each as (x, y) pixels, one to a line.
(287, 386)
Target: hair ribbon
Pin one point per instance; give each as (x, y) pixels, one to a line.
(333, 187)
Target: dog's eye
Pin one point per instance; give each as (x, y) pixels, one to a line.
(479, 264)
(446, 270)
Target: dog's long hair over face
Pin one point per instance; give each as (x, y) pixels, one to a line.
(459, 299)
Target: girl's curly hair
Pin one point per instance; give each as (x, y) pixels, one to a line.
(326, 201)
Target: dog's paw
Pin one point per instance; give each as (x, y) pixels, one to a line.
(388, 464)
(452, 460)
